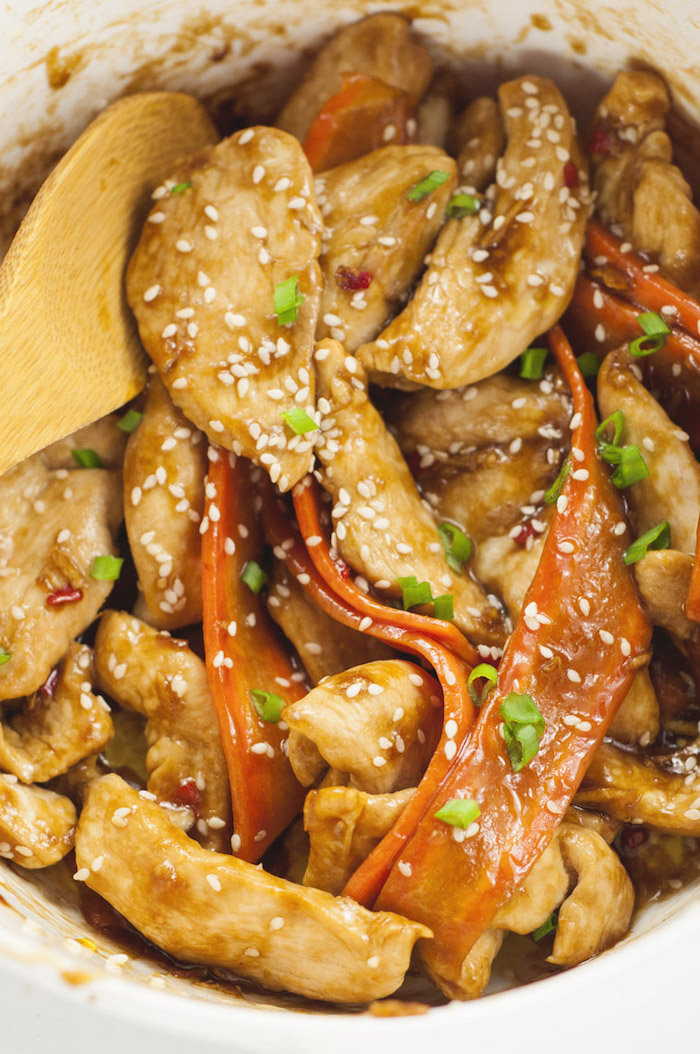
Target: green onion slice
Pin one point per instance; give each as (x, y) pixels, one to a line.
(532, 363)
(444, 607)
(646, 346)
(106, 568)
(426, 186)
(617, 420)
(299, 421)
(458, 548)
(459, 812)
(555, 490)
(658, 537)
(490, 674)
(655, 333)
(5, 656)
(461, 205)
(180, 188)
(268, 706)
(631, 468)
(288, 300)
(253, 576)
(415, 592)
(87, 458)
(523, 726)
(588, 364)
(130, 421)
(548, 926)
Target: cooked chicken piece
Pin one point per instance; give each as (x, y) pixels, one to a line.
(383, 529)
(382, 46)
(164, 471)
(380, 723)
(434, 115)
(161, 678)
(663, 579)
(577, 873)
(638, 789)
(508, 568)
(495, 412)
(376, 239)
(36, 825)
(213, 909)
(672, 490)
(637, 720)
(344, 825)
(477, 139)
(53, 524)
(603, 825)
(638, 187)
(104, 437)
(498, 278)
(59, 725)
(325, 646)
(207, 286)
(495, 492)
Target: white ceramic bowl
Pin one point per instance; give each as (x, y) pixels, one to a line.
(61, 63)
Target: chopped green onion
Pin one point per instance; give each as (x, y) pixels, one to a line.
(459, 812)
(522, 729)
(288, 300)
(415, 592)
(106, 568)
(444, 607)
(87, 458)
(548, 926)
(655, 333)
(426, 186)
(180, 188)
(589, 364)
(555, 490)
(658, 537)
(253, 576)
(299, 421)
(461, 205)
(631, 468)
(617, 419)
(130, 421)
(5, 656)
(532, 363)
(490, 675)
(268, 706)
(646, 346)
(458, 548)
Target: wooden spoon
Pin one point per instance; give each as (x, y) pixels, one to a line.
(69, 347)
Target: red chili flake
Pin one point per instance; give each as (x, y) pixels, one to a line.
(526, 531)
(49, 685)
(188, 794)
(351, 279)
(600, 142)
(570, 174)
(343, 570)
(63, 595)
(633, 837)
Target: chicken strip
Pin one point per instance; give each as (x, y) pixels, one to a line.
(382, 528)
(164, 472)
(36, 825)
(226, 287)
(325, 646)
(477, 140)
(672, 490)
(498, 278)
(637, 721)
(161, 678)
(376, 237)
(59, 725)
(637, 186)
(217, 910)
(344, 825)
(663, 580)
(104, 437)
(380, 723)
(54, 522)
(382, 46)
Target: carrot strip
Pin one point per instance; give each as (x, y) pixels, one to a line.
(243, 653)
(692, 603)
(577, 679)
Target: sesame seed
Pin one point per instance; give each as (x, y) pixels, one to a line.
(82, 874)
(151, 293)
(214, 882)
(276, 923)
(169, 331)
(252, 953)
(625, 646)
(574, 676)
(183, 246)
(378, 761)
(259, 232)
(606, 636)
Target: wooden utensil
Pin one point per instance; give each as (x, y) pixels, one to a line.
(69, 347)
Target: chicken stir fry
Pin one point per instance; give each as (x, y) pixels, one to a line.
(398, 650)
